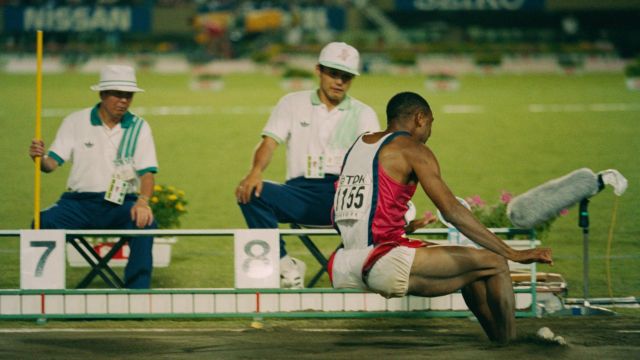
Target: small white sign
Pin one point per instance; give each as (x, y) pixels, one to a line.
(257, 258)
(42, 259)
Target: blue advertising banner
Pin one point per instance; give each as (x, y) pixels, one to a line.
(470, 5)
(79, 18)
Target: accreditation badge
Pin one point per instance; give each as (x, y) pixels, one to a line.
(116, 191)
(124, 169)
(315, 167)
(334, 158)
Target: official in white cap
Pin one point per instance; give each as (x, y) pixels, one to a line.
(112, 173)
(318, 127)
(117, 77)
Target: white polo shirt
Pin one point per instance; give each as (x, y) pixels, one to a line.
(93, 148)
(304, 123)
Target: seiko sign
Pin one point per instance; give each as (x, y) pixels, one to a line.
(469, 5)
(77, 18)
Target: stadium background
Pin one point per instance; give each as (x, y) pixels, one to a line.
(507, 54)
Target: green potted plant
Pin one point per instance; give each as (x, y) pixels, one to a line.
(296, 79)
(495, 215)
(570, 63)
(488, 61)
(169, 205)
(632, 75)
(207, 81)
(403, 61)
(442, 81)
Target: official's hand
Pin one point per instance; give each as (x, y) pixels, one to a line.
(539, 255)
(141, 213)
(36, 149)
(251, 184)
(426, 219)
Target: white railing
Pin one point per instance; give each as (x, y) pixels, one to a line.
(196, 303)
(231, 232)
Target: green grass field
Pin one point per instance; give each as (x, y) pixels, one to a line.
(501, 145)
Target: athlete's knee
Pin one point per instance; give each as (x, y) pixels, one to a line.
(502, 264)
(496, 261)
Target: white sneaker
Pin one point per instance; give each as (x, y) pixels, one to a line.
(292, 273)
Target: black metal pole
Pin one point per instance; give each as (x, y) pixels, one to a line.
(583, 222)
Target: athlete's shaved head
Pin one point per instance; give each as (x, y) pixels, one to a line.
(404, 105)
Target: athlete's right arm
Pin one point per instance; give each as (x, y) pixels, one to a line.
(36, 149)
(425, 165)
(253, 181)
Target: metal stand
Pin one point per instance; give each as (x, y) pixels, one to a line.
(99, 265)
(317, 254)
(583, 222)
(586, 308)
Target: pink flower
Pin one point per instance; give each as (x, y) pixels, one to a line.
(564, 212)
(505, 197)
(475, 201)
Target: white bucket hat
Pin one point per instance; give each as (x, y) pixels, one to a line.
(341, 56)
(117, 77)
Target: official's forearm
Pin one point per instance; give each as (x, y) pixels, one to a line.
(48, 164)
(147, 182)
(262, 156)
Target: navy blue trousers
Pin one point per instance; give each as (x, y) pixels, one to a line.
(299, 200)
(91, 211)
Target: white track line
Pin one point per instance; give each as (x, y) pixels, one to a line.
(569, 108)
(359, 330)
(156, 330)
(265, 110)
(162, 330)
(462, 109)
(234, 110)
(174, 110)
(77, 330)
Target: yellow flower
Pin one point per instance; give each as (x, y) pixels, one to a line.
(168, 205)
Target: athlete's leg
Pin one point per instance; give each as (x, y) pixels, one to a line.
(482, 275)
(502, 302)
(475, 296)
(492, 302)
(441, 270)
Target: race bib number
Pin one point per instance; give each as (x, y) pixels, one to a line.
(352, 197)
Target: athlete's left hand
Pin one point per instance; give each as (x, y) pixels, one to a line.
(426, 219)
